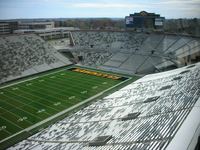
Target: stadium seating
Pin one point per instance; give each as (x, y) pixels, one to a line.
(143, 115)
(93, 59)
(110, 41)
(23, 55)
(131, 52)
(59, 43)
(146, 114)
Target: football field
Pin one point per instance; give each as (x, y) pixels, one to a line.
(28, 102)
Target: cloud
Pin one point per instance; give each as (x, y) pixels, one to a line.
(103, 8)
(178, 2)
(105, 5)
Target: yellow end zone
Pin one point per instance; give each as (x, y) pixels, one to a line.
(104, 75)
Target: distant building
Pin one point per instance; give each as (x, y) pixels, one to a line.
(144, 21)
(35, 25)
(49, 33)
(7, 27)
(45, 29)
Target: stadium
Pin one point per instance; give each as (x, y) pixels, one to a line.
(99, 89)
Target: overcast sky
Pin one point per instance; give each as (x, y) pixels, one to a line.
(11, 9)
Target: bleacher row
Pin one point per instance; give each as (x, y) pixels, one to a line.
(110, 41)
(23, 55)
(133, 52)
(146, 114)
(99, 43)
(93, 59)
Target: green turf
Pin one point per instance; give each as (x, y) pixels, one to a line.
(29, 102)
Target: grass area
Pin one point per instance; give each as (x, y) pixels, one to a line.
(29, 102)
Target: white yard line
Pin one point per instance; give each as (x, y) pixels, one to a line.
(36, 101)
(20, 109)
(18, 115)
(38, 98)
(32, 78)
(8, 132)
(52, 89)
(11, 122)
(61, 82)
(23, 104)
(54, 73)
(64, 111)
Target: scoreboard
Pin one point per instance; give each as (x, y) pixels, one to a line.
(129, 21)
(159, 21)
(144, 20)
